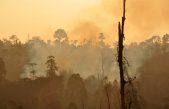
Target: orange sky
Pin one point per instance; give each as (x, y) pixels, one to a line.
(83, 18)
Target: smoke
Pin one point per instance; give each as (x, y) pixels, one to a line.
(143, 19)
(86, 30)
(85, 60)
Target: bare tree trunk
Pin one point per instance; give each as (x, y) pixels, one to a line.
(120, 56)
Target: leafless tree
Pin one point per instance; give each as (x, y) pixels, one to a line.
(120, 55)
(124, 76)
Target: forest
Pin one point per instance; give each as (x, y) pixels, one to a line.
(67, 74)
(90, 74)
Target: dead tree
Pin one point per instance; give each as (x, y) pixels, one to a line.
(123, 63)
(120, 55)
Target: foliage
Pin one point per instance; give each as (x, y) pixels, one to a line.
(52, 67)
(147, 58)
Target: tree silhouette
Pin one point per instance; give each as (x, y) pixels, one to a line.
(107, 94)
(60, 35)
(165, 42)
(123, 63)
(101, 45)
(120, 56)
(76, 91)
(101, 40)
(14, 39)
(52, 68)
(33, 72)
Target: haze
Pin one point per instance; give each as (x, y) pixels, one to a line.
(82, 18)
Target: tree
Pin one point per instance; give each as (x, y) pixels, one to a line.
(102, 48)
(165, 42)
(2, 70)
(115, 95)
(52, 67)
(101, 40)
(120, 56)
(76, 91)
(33, 72)
(106, 86)
(123, 63)
(60, 35)
(14, 39)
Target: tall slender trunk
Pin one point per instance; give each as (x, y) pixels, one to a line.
(120, 56)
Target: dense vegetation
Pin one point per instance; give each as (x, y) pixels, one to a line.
(67, 74)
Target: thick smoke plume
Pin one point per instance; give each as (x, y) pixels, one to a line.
(144, 19)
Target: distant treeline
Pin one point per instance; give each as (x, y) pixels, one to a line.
(86, 58)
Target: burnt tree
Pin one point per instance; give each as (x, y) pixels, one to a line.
(120, 55)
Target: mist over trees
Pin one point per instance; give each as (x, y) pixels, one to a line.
(66, 74)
